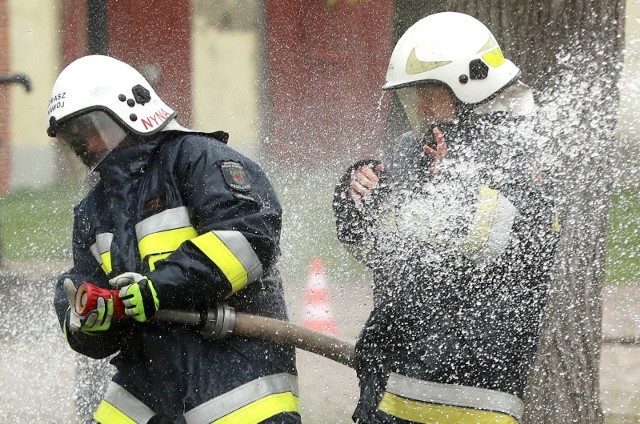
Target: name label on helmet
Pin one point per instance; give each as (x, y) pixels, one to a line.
(156, 119)
(56, 102)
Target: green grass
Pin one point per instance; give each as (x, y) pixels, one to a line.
(309, 229)
(36, 224)
(623, 246)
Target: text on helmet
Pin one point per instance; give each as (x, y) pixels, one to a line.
(156, 119)
(56, 101)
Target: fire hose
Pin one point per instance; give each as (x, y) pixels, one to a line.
(223, 320)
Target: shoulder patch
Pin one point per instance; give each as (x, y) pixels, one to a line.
(235, 176)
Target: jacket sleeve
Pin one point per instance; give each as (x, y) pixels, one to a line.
(355, 220)
(85, 269)
(538, 228)
(237, 217)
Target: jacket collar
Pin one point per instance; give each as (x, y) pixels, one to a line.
(128, 160)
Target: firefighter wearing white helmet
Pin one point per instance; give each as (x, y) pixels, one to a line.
(459, 52)
(98, 102)
(177, 220)
(457, 231)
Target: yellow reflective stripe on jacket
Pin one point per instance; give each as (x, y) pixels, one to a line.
(555, 227)
(106, 262)
(250, 403)
(262, 409)
(121, 407)
(410, 398)
(233, 255)
(420, 412)
(161, 234)
(480, 230)
(101, 250)
(492, 228)
(109, 414)
(159, 245)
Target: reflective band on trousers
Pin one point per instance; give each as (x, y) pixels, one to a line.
(233, 255)
(101, 250)
(250, 403)
(427, 402)
(121, 407)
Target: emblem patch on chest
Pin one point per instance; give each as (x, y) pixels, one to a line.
(235, 176)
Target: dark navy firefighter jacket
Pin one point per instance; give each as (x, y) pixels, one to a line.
(461, 262)
(202, 222)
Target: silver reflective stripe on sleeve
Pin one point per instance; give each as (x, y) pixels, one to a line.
(169, 219)
(240, 247)
(125, 404)
(101, 246)
(455, 395)
(242, 396)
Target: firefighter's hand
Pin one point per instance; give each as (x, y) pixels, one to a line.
(138, 295)
(96, 320)
(438, 154)
(363, 181)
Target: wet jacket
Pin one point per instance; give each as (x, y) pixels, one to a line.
(460, 262)
(202, 222)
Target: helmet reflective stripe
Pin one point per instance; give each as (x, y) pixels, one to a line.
(449, 48)
(416, 66)
(99, 82)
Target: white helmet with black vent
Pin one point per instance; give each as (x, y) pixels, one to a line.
(453, 49)
(103, 98)
(458, 52)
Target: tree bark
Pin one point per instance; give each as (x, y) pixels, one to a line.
(570, 52)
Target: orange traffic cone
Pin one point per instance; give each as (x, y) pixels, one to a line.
(318, 314)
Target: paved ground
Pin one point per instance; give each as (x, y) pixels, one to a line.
(37, 369)
(620, 365)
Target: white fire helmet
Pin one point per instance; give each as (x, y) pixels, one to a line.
(459, 52)
(101, 98)
(453, 49)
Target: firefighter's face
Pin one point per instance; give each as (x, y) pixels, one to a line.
(436, 103)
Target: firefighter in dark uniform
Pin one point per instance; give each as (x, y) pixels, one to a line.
(177, 220)
(458, 230)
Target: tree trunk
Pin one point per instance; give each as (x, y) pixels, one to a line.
(570, 52)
